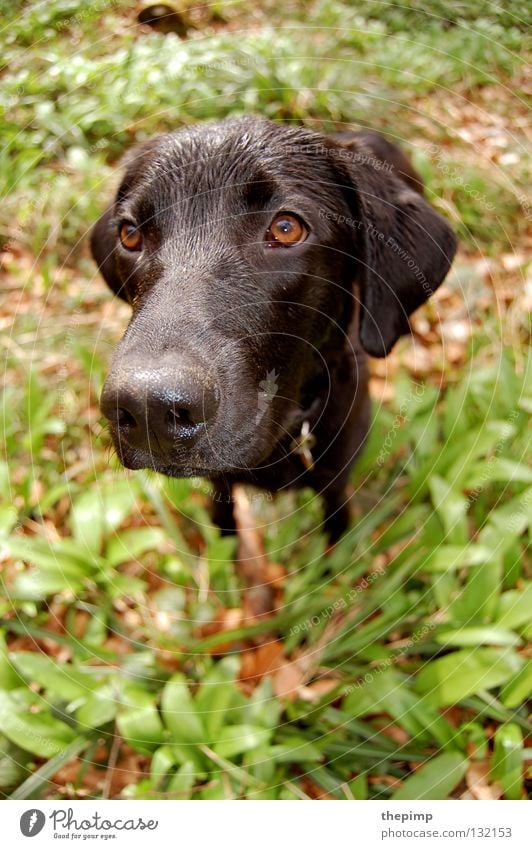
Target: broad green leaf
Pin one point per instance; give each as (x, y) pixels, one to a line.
(447, 557)
(519, 689)
(295, 749)
(8, 518)
(98, 511)
(499, 469)
(514, 517)
(59, 567)
(479, 442)
(451, 507)
(38, 584)
(9, 677)
(216, 696)
(476, 637)
(180, 713)
(13, 769)
(234, 740)
(262, 708)
(388, 691)
(138, 719)
(98, 709)
(161, 763)
(455, 461)
(435, 780)
(59, 678)
(38, 733)
(478, 600)
(61, 556)
(515, 608)
(507, 761)
(449, 679)
(131, 543)
(183, 780)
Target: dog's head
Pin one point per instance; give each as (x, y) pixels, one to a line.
(243, 248)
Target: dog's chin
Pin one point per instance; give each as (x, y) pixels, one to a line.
(135, 459)
(187, 467)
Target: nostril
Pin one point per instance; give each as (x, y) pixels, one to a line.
(125, 419)
(179, 417)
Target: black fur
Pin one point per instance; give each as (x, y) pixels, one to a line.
(279, 335)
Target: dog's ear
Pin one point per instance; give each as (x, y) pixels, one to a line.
(103, 249)
(404, 249)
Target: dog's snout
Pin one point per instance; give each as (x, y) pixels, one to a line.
(159, 408)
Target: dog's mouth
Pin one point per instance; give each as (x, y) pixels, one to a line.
(189, 461)
(174, 467)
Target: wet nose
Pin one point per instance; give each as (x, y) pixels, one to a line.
(159, 407)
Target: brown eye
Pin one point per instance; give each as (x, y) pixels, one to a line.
(130, 237)
(286, 229)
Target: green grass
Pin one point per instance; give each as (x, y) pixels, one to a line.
(395, 663)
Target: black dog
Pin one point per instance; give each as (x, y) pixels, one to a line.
(262, 262)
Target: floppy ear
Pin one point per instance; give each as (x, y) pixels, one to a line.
(103, 247)
(405, 250)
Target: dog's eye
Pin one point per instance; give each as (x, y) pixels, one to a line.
(130, 236)
(286, 230)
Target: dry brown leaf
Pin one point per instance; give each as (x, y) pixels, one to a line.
(261, 661)
(288, 680)
(477, 780)
(259, 599)
(317, 689)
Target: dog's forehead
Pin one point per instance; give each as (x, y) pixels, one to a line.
(233, 153)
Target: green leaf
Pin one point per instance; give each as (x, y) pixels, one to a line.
(435, 780)
(489, 436)
(98, 709)
(359, 787)
(59, 567)
(477, 636)
(55, 677)
(138, 720)
(447, 557)
(498, 469)
(8, 518)
(180, 713)
(515, 608)
(236, 739)
(161, 763)
(519, 689)
(478, 600)
(38, 733)
(34, 784)
(61, 556)
(507, 760)
(295, 750)
(389, 691)
(514, 517)
(451, 507)
(184, 779)
(9, 677)
(217, 695)
(131, 543)
(36, 585)
(449, 679)
(98, 511)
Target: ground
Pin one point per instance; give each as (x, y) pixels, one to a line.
(131, 662)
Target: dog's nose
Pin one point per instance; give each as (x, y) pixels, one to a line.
(158, 408)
